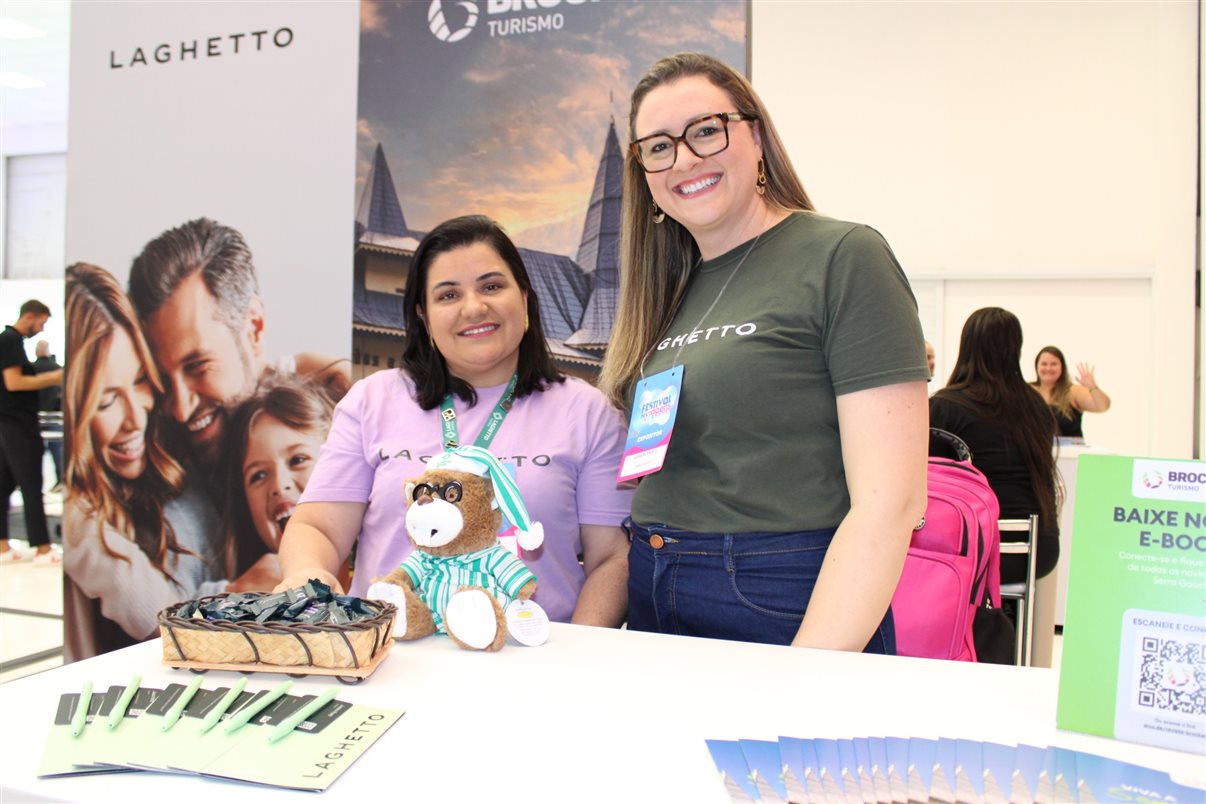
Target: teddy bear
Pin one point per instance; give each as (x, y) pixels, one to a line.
(459, 579)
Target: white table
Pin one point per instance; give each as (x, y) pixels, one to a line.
(607, 716)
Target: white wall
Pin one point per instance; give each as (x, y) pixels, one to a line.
(1042, 155)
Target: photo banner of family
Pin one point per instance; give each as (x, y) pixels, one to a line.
(187, 448)
(219, 305)
(207, 297)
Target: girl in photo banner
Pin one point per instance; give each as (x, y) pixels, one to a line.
(275, 437)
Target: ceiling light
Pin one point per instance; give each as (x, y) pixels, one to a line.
(15, 29)
(19, 81)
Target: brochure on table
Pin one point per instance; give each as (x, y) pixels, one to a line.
(263, 736)
(951, 771)
(1133, 665)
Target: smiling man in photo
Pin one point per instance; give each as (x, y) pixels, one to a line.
(196, 293)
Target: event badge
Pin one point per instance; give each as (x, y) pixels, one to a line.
(527, 623)
(654, 407)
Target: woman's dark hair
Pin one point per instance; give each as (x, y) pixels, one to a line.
(988, 378)
(420, 358)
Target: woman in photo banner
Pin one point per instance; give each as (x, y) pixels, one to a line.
(136, 537)
(796, 469)
(474, 353)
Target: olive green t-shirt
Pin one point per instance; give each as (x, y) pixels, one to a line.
(818, 308)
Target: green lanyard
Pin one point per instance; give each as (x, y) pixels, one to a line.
(448, 418)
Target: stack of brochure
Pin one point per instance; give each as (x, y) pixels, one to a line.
(892, 769)
(265, 737)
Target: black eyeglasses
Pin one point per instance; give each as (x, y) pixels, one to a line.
(449, 492)
(705, 136)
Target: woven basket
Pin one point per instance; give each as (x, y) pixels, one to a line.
(324, 645)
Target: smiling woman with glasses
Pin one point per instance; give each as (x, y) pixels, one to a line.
(791, 346)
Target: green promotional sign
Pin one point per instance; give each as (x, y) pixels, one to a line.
(1134, 650)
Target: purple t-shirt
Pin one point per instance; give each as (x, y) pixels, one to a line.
(564, 443)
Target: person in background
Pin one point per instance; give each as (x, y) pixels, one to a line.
(21, 445)
(796, 470)
(474, 353)
(137, 537)
(988, 404)
(50, 400)
(929, 358)
(1068, 401)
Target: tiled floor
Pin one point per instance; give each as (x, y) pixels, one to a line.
(31, 598)
(31, 618)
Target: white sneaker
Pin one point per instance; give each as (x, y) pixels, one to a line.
(15, 555)
(51, 558)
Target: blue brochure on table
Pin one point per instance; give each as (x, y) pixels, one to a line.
(895, 770)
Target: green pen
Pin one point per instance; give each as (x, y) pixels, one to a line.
(215, 714)
(81, 710)
(177, 709)
(294, 720)
(123, 703)
(240, 718)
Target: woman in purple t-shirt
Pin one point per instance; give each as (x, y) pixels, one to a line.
(473, 345)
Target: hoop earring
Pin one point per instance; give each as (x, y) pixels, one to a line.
(526, 322)
(760, 185)
(659, 214)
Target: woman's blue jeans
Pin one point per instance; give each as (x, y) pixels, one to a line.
(751, 587)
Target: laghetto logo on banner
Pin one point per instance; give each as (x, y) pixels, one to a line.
(214, 47)
(513, 17)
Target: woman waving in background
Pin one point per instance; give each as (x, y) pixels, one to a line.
(1068, 401)
(796, 469)
(136, 537)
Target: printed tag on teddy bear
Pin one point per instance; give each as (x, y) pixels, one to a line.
(527, 623)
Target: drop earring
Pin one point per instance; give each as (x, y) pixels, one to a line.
(526, 322)
(760, 185)
(659, 214)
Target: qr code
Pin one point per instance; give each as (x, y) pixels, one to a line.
(1172, 675)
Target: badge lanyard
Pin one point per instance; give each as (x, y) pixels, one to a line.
(448, 418)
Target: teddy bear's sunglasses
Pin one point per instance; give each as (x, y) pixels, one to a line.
(449, 492)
